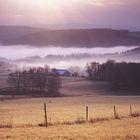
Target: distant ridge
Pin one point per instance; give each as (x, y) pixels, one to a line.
(20, 35)
(14, 31)
(134, 51)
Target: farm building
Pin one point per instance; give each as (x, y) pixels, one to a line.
(61, 72)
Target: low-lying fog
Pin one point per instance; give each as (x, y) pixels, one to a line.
(18, 52)
(26, 56)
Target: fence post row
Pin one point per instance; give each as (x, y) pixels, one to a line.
(87, 113)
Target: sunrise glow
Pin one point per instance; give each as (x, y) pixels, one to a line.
(46, 3)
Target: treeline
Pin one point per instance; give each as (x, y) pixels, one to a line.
(59, 57)
(34, 81)
(120, 75)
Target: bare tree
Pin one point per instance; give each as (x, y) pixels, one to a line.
(35, 80)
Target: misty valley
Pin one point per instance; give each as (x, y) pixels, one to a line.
(25, 52)
(69, 70)
(62, 57)
(25, 59)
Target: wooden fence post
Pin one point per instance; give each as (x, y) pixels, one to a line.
(87, 113)
(45, 111)
(115, 113)
(131, 111)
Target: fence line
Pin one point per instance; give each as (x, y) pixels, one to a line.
(87, 119)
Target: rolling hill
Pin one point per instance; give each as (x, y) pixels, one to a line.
(67, 38)
(11, 32)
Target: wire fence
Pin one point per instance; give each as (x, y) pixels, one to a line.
(47, 114)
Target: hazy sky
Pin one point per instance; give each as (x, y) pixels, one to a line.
(97, 12)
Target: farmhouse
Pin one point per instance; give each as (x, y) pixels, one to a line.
(61, 72)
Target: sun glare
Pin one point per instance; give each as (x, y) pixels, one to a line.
(57, 2)
(52, 4)
(48, 3)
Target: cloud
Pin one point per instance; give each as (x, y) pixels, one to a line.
(97, 12)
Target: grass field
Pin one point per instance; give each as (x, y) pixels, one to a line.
(30, 111)
(126, 129)
(25, 115)
(80, 86)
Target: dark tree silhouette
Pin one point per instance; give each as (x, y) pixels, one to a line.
(119, 75)
(35, 81)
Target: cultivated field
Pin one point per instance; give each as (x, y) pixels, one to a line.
(67, 114)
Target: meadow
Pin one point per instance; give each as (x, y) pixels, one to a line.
(25, 115)
(23, 119)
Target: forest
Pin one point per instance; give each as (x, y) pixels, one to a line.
(119, 75)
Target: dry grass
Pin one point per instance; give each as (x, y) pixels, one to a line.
(125, 129)
(44, 124)
(66, 116)
(31, 111)
(5, 121)
(80, 120)
(136, 114)
(95, 120)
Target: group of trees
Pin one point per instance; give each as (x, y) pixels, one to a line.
(117, 74)
(35, 80)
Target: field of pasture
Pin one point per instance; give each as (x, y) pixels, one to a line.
(25, 116)
(23, 119)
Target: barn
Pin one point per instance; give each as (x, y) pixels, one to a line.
(61, 72)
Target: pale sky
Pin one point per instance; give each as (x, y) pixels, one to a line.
(97, 12)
